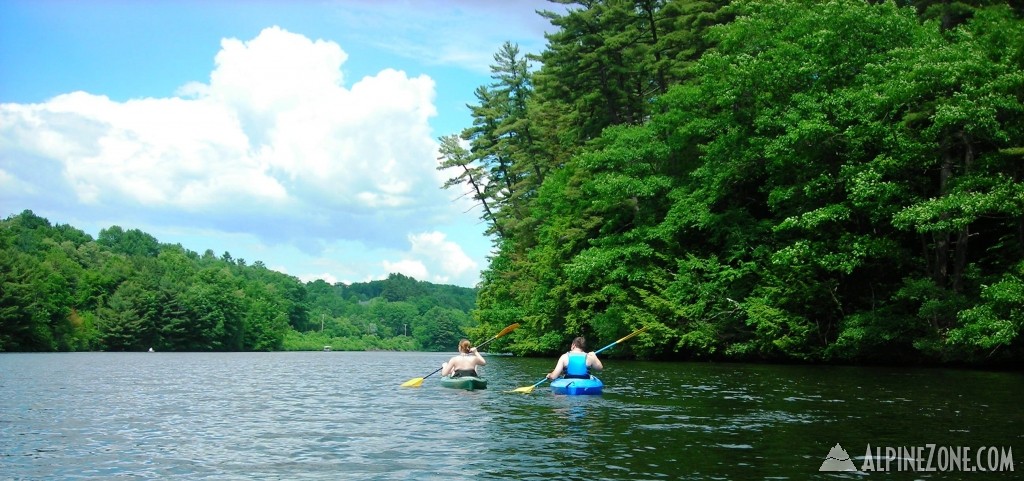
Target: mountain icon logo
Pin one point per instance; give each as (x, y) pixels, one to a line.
(837, 460)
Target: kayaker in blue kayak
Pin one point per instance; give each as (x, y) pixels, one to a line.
(465, 363)
(577, 363)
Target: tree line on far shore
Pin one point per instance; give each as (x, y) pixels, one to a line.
(62, 290)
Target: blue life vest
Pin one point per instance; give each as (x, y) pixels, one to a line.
(577, 365)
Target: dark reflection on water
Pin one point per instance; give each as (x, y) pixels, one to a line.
(343, 416)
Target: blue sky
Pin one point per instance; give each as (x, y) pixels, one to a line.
(297, 133)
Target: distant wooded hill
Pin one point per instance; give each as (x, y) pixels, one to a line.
(62, 290)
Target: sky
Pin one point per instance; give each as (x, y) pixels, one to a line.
(302, 133)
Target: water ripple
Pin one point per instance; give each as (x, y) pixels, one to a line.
(269, 416)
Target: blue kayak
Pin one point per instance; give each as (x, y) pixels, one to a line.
(577, 386)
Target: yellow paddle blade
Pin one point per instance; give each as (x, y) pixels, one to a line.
(414, 382)
(529, 389)
(638, 331)
(507, 330)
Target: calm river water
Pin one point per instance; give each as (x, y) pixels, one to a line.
(340, 415)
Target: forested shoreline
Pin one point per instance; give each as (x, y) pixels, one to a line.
(62, 290)
(784, 181)
(772, 181)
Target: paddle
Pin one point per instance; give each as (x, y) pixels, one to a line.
(417, 381)
(529, 389)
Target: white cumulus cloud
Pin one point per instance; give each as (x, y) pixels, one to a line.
(410, 267)
(277, 151)
(275, 144)
(432, 257)
(446, 255)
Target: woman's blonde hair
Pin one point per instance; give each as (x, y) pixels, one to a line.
(464, 346)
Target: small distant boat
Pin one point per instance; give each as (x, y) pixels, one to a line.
(151, 350)
(327, 348)
(577, 386)
(468, 383)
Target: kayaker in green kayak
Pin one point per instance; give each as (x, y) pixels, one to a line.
(465, 363)
(577, 363)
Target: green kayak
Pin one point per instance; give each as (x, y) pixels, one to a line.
(468, 383)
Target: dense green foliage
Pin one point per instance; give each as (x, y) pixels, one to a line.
(834, 181)
(60, 290)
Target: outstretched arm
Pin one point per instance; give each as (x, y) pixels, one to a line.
(448, 367)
